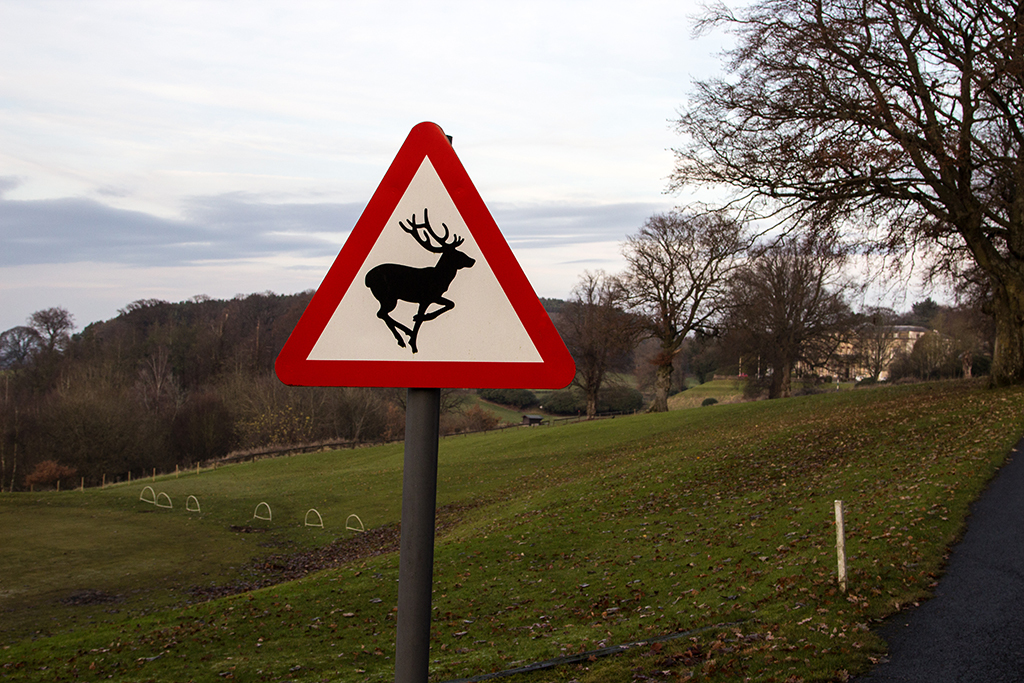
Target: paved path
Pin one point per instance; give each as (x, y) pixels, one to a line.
(973, 629)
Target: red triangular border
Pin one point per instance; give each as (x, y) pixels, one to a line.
(556, 368)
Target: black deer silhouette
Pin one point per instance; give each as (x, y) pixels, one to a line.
(391, 282)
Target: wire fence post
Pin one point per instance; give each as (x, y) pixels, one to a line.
(840, 545)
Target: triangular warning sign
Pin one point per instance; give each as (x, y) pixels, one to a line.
(426, 292)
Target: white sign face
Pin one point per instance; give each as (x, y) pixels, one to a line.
(482, 325)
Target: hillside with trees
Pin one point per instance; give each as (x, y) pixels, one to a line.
(165, 385)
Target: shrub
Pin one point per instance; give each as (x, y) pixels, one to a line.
(810, 388)
(475, 419)
(709, 401)
(48, 473)
(394, 422)
(478, 419)
(565, 402)
(203, 429)
(275, 427)
(513, 398)
(619, 399)
(614, 399)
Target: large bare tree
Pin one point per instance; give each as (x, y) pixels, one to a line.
(876, 341)
(18, 346)
(597, 331)
(54, 326)
(676, 271)
(901, 117)
(787, 306)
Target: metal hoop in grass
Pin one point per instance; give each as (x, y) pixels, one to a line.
(359, 528)
(319, 520)
(256, 513)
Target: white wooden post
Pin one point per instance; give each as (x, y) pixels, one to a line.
(841, 545)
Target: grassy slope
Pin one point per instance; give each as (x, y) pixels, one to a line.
(722, 390)
(504, 413)
(587, 535)
(731, 391)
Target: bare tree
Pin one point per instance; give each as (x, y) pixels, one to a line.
(876, 341)
(156, 385)
(701, 355)
(905, 116)
(17, 347)
(934, 356)
(54, 326)
(970, 332)
(677, 266)
(597, 331)
(787, 306)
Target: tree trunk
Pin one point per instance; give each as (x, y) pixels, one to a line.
(14, 458)
(662, 386)
(1008, 354)
(14, 467)
(782, 384)
(591, 404)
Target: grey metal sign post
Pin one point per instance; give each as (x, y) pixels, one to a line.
(416, 553)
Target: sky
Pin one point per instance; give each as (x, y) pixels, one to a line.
(173, 149)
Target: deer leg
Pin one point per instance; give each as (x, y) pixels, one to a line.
(446, 305)
(393, 325)
(419, 318)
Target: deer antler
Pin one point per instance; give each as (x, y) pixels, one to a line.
(414, 230)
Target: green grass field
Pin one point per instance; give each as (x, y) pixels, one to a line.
(570, 539)
(504, 413)
(731, 391)
(722, 390)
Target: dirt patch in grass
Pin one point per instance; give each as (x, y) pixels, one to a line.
(90, 597)
(270, 570)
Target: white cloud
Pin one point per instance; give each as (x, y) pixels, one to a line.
(152, 137)
(93, 259)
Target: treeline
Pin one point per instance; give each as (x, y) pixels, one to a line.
(927, 342)
(613, 398)
(164, 385)
(704, 293)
